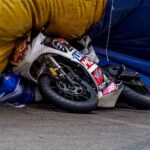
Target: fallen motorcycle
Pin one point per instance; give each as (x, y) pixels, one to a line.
(65, 77)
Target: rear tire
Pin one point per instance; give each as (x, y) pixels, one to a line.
(79, 106)
(134, 95)
(136, 99)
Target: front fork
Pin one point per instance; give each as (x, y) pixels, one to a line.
(63, 74)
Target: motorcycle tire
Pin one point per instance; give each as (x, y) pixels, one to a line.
(135, 98)
(65, 103)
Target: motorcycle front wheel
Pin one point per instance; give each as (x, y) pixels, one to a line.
(80, 98)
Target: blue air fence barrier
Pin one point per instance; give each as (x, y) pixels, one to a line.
(129, 41)
(131, 63)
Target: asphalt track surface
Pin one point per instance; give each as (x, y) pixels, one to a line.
(42, 127)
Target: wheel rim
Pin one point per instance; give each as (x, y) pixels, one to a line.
(77, 93)
(72, 90)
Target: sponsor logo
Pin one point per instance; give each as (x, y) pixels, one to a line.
(20, 51)
(59, 46)
(87, 62)
(110, 88)
(65, 44)
(97, 74)
(77, 55)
